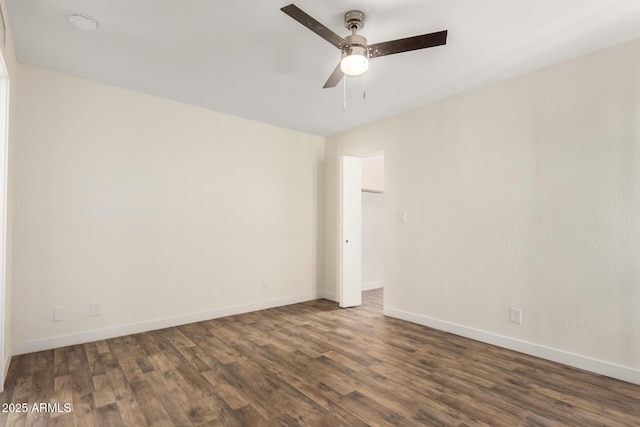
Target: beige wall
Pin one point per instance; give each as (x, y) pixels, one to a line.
(165, 213)
(523, 194)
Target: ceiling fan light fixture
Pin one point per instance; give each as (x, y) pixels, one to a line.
(355, 57)
(354, 64)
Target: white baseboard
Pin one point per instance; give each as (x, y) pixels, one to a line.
(577, 361)
(365, 287)
(374, 285)
(328, 295)
(134, 328)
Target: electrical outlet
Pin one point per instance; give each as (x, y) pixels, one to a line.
(515, 315)
(58, 314)
(95, 309)
(265, 286)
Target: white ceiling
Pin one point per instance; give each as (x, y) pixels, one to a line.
(249, 59)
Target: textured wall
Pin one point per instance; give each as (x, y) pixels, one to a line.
(525, 193)
(158, 210)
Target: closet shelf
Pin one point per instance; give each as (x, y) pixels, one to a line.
(371, 190)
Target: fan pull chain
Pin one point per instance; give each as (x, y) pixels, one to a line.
(364, 86)
(344, 93)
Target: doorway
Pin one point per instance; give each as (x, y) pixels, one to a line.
(373, 222)
(361, 250)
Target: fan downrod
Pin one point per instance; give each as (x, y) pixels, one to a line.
(354, 20)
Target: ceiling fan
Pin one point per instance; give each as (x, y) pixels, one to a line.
(355, 52)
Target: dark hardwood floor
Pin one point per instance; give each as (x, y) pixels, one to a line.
(309, 364)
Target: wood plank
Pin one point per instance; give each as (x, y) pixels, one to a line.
(21, 394)
(151, 408)
(168, 400)
(61, 361)
(202, 389)
(103, 393)
(232, 396)
(183, 394)
(109, 416)
(128, 407)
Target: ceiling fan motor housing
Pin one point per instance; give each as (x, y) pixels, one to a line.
(356, 45)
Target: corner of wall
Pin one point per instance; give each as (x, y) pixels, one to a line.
(11, 63)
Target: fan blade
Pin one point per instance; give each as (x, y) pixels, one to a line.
(302, 17)
(334, 78)
(408, 44)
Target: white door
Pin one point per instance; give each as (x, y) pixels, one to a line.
(351, 231)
